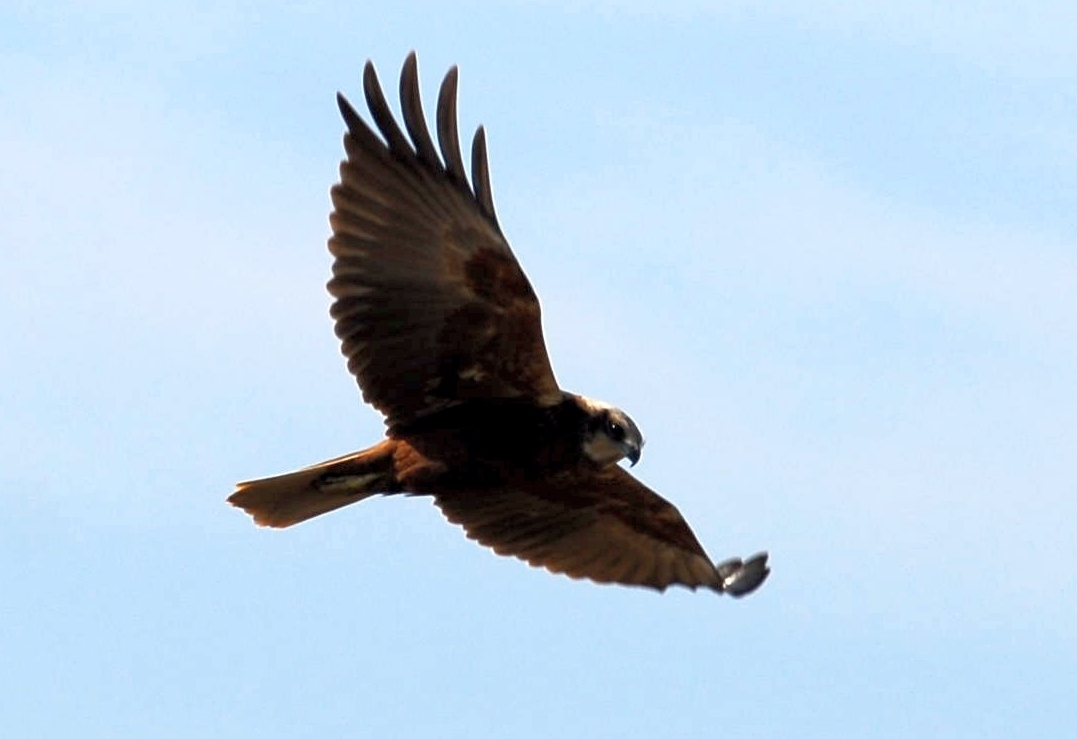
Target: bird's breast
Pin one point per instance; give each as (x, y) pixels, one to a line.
(493, 443)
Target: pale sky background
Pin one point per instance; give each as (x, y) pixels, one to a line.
(824, 253)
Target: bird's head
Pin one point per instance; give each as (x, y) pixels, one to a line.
(610, 435)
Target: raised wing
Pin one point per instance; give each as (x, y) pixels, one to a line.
(607, 527)
(432, 308)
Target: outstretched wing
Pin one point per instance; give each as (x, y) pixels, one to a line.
(606, 526)
(431, 306)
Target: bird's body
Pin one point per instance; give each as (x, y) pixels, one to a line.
(443, 332)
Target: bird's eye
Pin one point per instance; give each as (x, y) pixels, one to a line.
(615, 431)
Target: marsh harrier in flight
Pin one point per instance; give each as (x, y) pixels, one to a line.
(442, 331)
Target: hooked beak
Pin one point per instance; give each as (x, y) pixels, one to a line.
(632, 452)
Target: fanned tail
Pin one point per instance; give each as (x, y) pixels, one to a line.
(288, 499)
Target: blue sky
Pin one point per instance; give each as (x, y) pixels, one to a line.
(824, 253)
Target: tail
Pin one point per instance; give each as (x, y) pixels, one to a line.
(296, 496)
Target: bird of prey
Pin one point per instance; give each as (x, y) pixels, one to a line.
(442, 331)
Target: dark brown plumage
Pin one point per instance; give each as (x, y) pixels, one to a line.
(442, 330)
